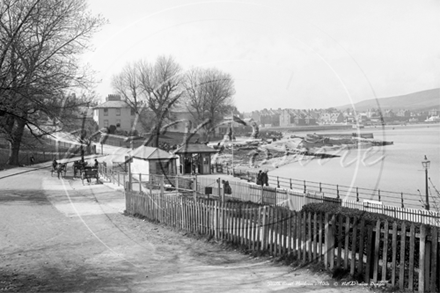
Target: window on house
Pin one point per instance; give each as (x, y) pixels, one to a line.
(105, 123)
(118, 112)
(118, 122)
(105, 112)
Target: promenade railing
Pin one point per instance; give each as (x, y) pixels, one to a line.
(358, 194)
(241, 190)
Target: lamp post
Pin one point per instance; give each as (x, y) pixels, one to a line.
(425, 164)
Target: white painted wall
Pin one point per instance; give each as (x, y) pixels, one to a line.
(140, 166)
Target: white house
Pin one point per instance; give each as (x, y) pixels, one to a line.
(115, 112)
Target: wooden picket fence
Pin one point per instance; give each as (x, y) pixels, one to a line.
(399, 254)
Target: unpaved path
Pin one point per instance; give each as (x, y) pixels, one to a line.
(60, 236)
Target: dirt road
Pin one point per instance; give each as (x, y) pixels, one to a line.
(60, 236)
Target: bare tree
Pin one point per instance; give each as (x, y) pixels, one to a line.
(208, 95)
(127, 84)
(40, 42)
(152, 90)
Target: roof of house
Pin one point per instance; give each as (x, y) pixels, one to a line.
(195, 148)
(113, 104)
(151, 153)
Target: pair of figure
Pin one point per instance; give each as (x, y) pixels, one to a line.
(262, 178)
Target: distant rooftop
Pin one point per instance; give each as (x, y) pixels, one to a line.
(113, 101)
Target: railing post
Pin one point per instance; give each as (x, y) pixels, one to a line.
(357, 194)
(262, 192)
(305, 187)
(177, 183)
(401, 199)
(291, 186)
(378, 193)
(278, 182)
(320, 187)
(118, 179)
(337, 191)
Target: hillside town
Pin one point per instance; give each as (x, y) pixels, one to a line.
(117, 112)
(333, 116)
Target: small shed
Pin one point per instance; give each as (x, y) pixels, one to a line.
(195, 158)
(151, 160)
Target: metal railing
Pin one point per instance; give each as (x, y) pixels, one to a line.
(294, 199)
(357, 194)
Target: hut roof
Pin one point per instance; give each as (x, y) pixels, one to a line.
(151, 153)
(195, 148)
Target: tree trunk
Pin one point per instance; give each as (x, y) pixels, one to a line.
(14, 145)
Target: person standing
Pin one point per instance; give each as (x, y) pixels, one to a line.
(259, 178)
(264, 179)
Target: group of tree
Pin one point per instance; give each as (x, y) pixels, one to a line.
(40, 45)
(155, 91)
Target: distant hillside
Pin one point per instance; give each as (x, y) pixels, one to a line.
(418, 101)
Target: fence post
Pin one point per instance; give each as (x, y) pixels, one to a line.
(326, 240)
(263, 212)
(401, 199)
(320, 187)
(291, 187)
(357, 194)
(337, 191)
(305, 187)
(262, 192)
(216, 219)
(177, 183)
(195, 188)
(140, 182)
(378, 193)
(220, 195)
(422, 258)
(278, 182)
(332, 232)
(162, 182)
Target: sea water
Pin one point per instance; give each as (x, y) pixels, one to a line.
(397, 167)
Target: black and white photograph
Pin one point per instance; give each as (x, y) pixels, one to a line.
(219, 146)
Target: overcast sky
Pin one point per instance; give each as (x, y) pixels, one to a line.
(281, 54)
